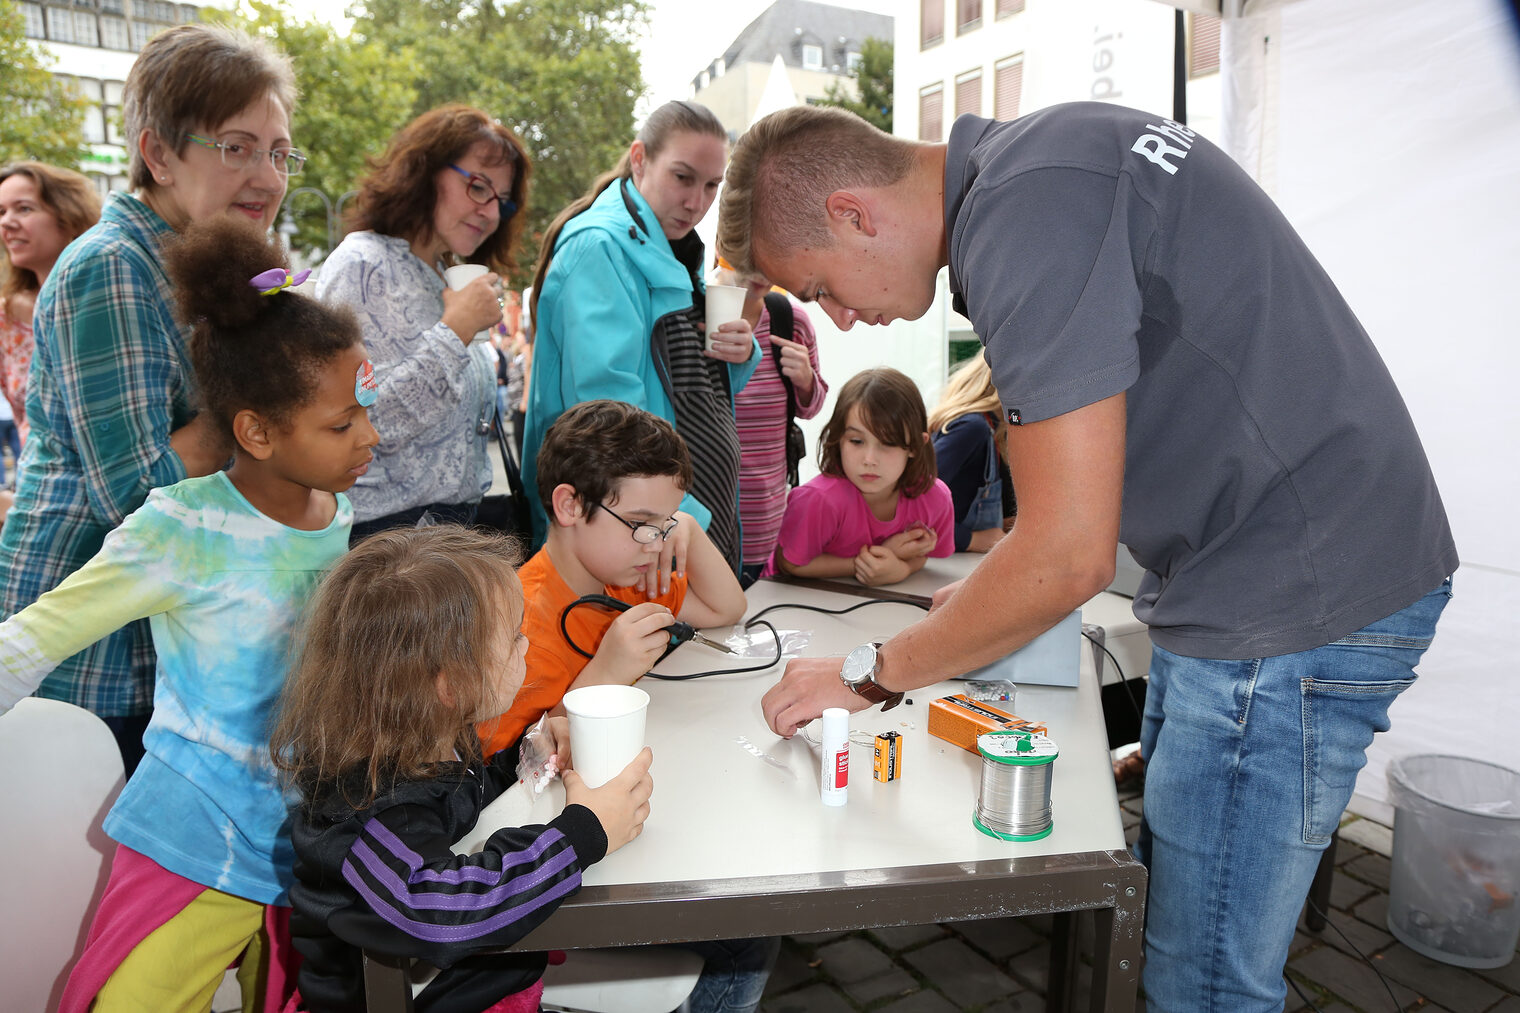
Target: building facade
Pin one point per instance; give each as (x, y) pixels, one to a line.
(93, 44)
(818, 44)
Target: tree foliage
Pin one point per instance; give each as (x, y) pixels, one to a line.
(563, 74)
(873, 81)
(41, 117)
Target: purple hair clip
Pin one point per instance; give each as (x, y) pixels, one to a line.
(276, 278)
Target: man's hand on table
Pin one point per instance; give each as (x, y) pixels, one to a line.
(808, 686)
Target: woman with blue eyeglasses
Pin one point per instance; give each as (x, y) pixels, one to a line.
(448, 191)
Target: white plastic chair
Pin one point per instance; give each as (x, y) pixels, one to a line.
(643, 979)
(60, 772)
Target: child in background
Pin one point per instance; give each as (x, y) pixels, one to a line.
(416, 634)
(970, 440)
(221, 566)
(612, 478)
(876, 512)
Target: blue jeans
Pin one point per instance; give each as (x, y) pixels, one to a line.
(734, 975)
(1248, 768)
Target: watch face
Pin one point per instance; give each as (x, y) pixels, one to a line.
(859, 665)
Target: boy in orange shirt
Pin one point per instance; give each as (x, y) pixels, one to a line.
(610, 477)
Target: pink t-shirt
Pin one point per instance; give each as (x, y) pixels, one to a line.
(828, 516)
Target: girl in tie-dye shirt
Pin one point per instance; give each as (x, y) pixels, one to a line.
(221, 567)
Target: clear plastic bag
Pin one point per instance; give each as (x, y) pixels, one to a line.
(757, 642)
(536, 764)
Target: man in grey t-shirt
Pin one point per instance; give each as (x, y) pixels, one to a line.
(1162, 341)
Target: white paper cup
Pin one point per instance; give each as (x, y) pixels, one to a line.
(724, 304)
(606, 730)
(461, 275)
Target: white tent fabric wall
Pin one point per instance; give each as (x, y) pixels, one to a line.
(1390, 135)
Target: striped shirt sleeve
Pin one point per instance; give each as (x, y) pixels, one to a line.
(401, 867)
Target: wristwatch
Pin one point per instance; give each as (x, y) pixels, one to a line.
(859, 672)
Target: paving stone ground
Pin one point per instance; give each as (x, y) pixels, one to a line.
(999, 966)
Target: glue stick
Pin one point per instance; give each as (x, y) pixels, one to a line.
(836, 756)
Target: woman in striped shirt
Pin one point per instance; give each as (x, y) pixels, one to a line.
(760, 410)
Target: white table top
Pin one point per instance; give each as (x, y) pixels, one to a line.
(733, 799)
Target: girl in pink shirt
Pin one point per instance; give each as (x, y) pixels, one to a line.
(877, 511)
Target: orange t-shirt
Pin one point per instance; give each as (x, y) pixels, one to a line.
(552, 663)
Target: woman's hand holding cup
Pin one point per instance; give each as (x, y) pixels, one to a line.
(473, 307)
(731, 342)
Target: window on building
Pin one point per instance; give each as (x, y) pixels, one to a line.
(718, 67)
(812, 57)
(85, 31)
(112, 6)
(60, 24)
(36, 22)
(931, 23)
(852, 63)
(1007, 87)
(931, 113)
(1007, 7)
(703, 80)
(113, 33)
(113, 112)
(142, 31)
(968, 93)
(968, 16)
(1203, 45)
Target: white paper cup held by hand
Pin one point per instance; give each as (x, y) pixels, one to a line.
(460, 275)
(725, 303)
(606, 730)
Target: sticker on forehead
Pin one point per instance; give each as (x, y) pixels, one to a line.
(365, 388)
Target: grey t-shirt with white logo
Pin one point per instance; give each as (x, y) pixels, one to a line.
(1275, 488)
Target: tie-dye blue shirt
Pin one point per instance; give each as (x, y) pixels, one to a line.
(223, 587)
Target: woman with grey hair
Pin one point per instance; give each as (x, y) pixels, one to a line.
(113, 402)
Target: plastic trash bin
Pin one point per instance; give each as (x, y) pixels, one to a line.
(1456, 859)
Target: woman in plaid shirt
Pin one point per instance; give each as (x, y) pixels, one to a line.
(111, 401)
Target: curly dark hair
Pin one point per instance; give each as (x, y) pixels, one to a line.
(893, 409)
(250, 351)
(597, 444)
(398, 196)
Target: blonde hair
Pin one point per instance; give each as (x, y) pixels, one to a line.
(68, 196)
(679, 116)
(404, 608)
(784, 168)
(969, 391)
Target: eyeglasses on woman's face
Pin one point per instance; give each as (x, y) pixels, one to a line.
(238, 154)
(480, 190)
(645, 533)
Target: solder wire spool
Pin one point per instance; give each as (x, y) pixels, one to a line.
(1013, 803)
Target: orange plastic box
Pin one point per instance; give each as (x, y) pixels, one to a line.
(960, 719)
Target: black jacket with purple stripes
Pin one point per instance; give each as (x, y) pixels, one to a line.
(384, 879)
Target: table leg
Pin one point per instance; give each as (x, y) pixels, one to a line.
(1117, 948)
(387, 986)
(1061, 979)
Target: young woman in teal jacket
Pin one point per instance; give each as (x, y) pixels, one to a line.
(618, 307)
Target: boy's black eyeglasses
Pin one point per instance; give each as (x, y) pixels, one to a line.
(481, 191)
(644, 534)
